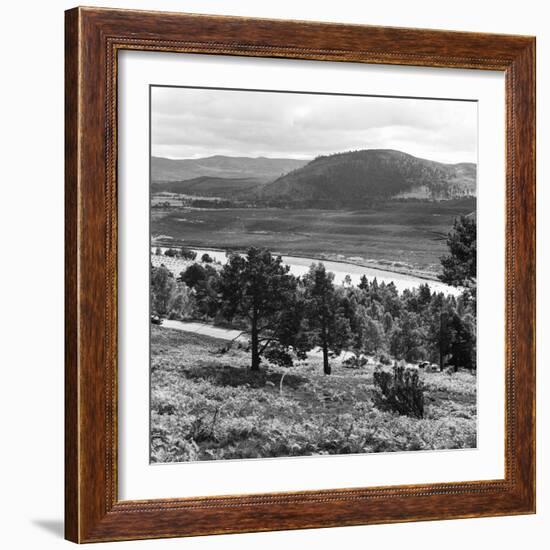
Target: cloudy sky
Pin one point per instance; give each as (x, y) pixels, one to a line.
(193, 123)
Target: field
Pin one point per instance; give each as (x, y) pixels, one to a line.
(411, 232)
(207, 405)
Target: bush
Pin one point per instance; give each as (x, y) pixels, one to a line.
(278, 356)
(158, 251)
(171, 252)
(400, 391)
(385, 359)
(187, 254)
(355, 361)
(206, 258)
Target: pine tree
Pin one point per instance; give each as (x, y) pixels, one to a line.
(463, 347)
(406, 338)
(460, 266)
(441, 331)
(163, 286)
(327, 324)
(258, 289)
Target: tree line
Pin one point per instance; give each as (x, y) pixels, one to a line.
(286, 316)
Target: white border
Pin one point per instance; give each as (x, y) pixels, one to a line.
(140, 480)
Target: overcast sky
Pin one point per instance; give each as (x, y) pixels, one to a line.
(193, 123)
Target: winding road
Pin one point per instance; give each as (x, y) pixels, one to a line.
(227, 334)
(203, 328)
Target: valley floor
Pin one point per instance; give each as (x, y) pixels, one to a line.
(407, 237)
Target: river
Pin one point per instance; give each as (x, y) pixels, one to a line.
(300, 266)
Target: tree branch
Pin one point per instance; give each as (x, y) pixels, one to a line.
(267, 341)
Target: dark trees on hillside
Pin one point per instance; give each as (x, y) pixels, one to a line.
(406, 339)
(290, 334)
(206, 293)
(460, 266)
(453, 330)
(193, 274)
(327, 324)
(259, 289)
(440, 329)
(286, 316)
(169, 297)
(366, 333)
(203, 280)
(414, 325)
(162, 288)
(463, 348)
(451, 334)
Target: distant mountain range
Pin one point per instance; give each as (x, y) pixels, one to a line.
(261, 169)
(341, 178)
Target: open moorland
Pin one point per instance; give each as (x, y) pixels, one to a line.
(206, 404)
(412, 232)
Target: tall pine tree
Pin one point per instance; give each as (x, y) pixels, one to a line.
(258, 289)
(327, 323)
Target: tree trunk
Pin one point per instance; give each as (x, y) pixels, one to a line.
(255, 345)
(326, 365)
(441, 354)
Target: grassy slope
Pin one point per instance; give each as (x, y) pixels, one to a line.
(409, 232)
(207, 405)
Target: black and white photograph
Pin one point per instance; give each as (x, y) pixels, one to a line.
(275, 275)
(312, 274)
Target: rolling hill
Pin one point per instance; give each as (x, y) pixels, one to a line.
(211, 186)
(262, 169)
(372, 174)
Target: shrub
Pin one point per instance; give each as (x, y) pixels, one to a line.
(385, 359)
(158, 251)
(278, 356)
(187, 254)
(171, 252)
(206, 258)
(355, 361)
(400, 391)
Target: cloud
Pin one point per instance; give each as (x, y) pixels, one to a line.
(191, 123)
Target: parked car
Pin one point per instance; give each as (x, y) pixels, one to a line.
(156, 320)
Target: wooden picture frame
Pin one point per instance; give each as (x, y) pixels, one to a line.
(93, 39)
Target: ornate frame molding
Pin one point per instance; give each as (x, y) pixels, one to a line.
(93, 39)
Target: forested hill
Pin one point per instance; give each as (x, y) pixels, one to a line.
(372, 174)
